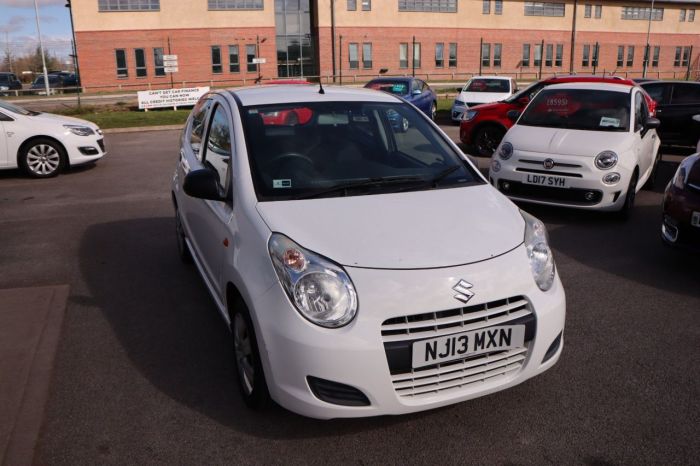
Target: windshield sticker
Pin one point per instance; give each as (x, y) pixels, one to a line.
(281, 183)
(557, 102)
(609, 122)
(398, 88)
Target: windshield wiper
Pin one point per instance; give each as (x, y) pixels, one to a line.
(369, 182)
(435, 180)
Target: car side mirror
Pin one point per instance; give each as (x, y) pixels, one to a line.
(417, 92)
(696, 118)
(203, 184)
(513, 115)
(524, 101)
(651, 123)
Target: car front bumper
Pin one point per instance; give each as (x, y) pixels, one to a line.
(84, 149)
(293, 349)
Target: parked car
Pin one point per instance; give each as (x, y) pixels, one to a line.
(56, 84)
(482, 90)
(333, 253)
(42, 144)
(9, 82)
(681, 218)
(483, 126)
(415, 91)
(677, 102)
(582, 145)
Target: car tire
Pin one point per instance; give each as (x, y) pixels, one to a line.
(404, 124)
(433, 111)
(42, 158)
(183, 251)
(487, 139)
(249, 371)
(630, 196)
(650, 183)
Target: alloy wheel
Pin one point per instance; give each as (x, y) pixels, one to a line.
(244, 353)
(43, 159)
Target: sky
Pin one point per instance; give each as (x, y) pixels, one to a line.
(18, 27)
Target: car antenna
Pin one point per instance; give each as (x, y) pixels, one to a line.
(320, 87)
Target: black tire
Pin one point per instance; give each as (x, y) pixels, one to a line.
(42, 158)
(651, 182)
(183, 251)
(487, 139)
(246, 356)
(630, 196)
(433, 111)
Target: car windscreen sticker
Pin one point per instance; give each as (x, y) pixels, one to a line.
(281, 183)
(399, 88)
(609, 122)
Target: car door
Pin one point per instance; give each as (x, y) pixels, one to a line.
(644, 147)
(685, 102)
(3, 142)
(661, 93)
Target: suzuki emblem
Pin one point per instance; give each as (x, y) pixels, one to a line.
(463, 290)
(548, 164)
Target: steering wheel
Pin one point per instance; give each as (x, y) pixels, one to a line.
(289, 156)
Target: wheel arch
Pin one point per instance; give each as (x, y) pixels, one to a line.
(62, 152)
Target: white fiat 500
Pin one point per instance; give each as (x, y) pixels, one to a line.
(584, 145)
(42, 144)
(363, 268)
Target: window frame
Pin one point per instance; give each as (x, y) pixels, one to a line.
(497, 54)
(132, 6)
(548, 55)
(598, 11)
(452, 62)
(206, 103)
(354, 64)
(417, 52)
(485, 7)
(525, 58)
(141, 71)
(237, 5)
(498, 7)
(403, 50)
(224, 191)
(439, 55)
(620, 56)
(655, 56)
(587, 10)
(352, 5)
(366, 5)
(158, 69)
(485, 55)
(234, 67)
(250, 66)
(125, 68)
(367, 64)
(630, 56)
(216, 66)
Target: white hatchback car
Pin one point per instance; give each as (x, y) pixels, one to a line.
(583, 145)
(482, 90)
(362, 269)
(42, 144)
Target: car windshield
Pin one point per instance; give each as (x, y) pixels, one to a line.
(4, 78)
(15, 109)
(487, 85)
(52, 80)
(346, 149)
(393, 87)
(584, 109)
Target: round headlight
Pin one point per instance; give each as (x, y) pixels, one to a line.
(606, 160)
(506, 151)
(611, 178)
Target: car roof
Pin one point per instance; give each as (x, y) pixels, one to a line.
(504, 78)
(669, 81)
(392, 78)
(615, 87)
(293, 93)
(590, 79)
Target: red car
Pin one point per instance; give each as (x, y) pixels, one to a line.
(484, 125)
(295, 116)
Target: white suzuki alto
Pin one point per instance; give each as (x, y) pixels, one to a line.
(363, 268)
(583, 145)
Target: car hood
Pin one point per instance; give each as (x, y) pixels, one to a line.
(61, 120)
(567, 141)
(411, 230)
(482, 97)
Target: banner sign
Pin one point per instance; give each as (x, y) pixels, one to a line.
(170, 97)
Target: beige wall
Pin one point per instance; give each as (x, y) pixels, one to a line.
(173, 14)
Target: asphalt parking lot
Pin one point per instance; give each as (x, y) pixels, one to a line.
(143, 372)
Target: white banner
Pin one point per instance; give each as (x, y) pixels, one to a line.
(169, 57)
(170, 97)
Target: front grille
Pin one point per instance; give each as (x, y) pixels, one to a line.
(399, 334)
(556, 164)
(548, 172)
(101, 143)
(573, 196)
(472, 104)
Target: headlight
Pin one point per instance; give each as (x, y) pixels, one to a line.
(681, 176)
(506, 151)
(319, 289)
(469, 115)
(606, 160)
(4, 88)
(459, 103)
(538, 251)
(79, 130)
(611, 178)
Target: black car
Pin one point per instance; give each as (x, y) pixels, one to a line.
(56, 84)
(677, 102)
(9, 82)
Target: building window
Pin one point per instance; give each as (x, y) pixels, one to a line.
(497, 55)
(367, 55)
(498, 7)
(686, 56)
(403, 55)
(630, 55)
(439, 55)
(691, 15)
(128, 5)
(453, 55)
(440, 6)
(249, 56)
(235, 4)
(485, 55)
(587, 10)
(548, 55)
(655, 57)
(353, 58)
(216, 59)
(526, 55)
(620, 55)
(598, 11)
(544, 9)
(158, 61)
(559, 55)
(585, 58)
(538, 55)
(486, 7)
(416, 55)
(234, 65)
(123, 71)
(682, 16)
(352, 5)
(140, 59)
(642, 13)
(366, 5)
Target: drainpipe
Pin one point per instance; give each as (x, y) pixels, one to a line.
(573, 38)
(333, 36)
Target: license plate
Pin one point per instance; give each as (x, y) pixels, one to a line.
(546, 180)
(695, 220)
(466, 344)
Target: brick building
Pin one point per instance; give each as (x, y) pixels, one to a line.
(121, 43)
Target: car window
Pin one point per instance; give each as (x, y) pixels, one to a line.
(218, 147)
(4, 78)
(657, 92)
(197, 126)
(530, 92)
(686, 93)
(487, 85)
(640, 111)
(393, 87)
